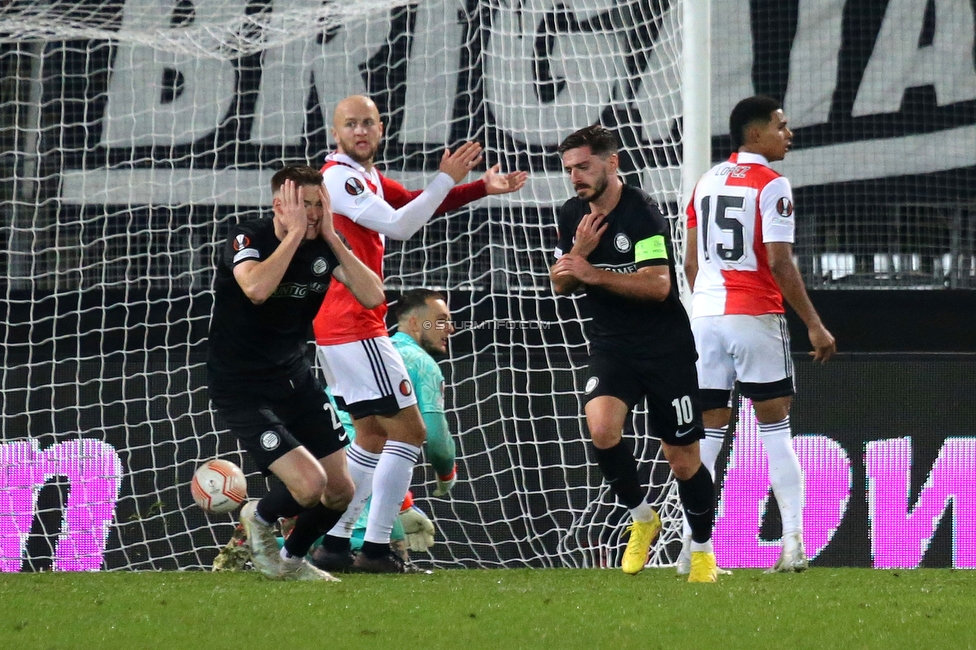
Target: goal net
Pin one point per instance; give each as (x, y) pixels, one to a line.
(137, 131)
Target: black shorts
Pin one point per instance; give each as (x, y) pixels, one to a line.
(269, 419)
(670, 385)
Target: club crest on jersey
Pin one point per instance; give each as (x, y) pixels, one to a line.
(241, 242)
(320, 266)
(270, 440)
(405, 388)
(591, 384)
(621, 242)
(784, 207)
(355, 186)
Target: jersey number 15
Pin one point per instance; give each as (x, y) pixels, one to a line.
(726, 223)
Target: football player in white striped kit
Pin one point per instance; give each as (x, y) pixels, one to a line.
(740, 266)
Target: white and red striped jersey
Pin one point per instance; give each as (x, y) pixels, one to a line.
(354, 192)
(739, 206)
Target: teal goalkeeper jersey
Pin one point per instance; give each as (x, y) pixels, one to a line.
(424, 373)
(428, 382)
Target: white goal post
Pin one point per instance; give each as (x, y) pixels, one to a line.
(137, 131)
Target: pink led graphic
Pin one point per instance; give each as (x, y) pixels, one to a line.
(746, 491)
(94, 473)
(901, 533)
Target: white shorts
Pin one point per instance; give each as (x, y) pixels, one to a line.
(367, 377)
(753, 350)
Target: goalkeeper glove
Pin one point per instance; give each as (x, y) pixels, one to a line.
(445, 483)
(417, 528)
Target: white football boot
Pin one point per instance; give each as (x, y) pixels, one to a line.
(792, 559)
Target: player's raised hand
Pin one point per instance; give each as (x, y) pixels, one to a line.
(291, 208)
(823, 342)
(326, 223)
(496, 183)
(588, 233)
(463, 160)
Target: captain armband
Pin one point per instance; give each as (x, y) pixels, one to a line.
(652, 248)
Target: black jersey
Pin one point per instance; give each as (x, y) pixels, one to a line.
(637, 235)
(251, 342)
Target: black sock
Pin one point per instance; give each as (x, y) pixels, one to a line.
(698, 498)
(279, 503)
(310, 525)
(375, 549)
(334, 544)
(620, 470)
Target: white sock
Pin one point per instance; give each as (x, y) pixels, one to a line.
(704, 547)
(711, 446)
(643, 513)
(362, 464)
(785, 474)
(394, 471)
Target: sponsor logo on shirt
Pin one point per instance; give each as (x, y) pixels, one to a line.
(785, 207)
(320, 266)
(354, 186)
(621, 242)
(270, 440)
(290, 290)
(618, 268)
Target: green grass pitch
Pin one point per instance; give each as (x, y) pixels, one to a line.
(498, 609)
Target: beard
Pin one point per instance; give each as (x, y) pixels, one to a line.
(362, 159)
(598, 189)
(428, 346)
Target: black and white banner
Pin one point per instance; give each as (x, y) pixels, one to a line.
(873, 89)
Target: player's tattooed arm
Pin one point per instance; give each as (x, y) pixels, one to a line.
(790, 282)
(691, 257)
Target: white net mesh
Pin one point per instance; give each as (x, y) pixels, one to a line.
(136, 132)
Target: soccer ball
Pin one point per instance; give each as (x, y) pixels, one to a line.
(219, 486)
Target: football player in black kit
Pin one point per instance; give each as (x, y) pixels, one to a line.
(615, 245)
(270, 282)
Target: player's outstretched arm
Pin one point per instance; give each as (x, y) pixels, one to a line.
(361, 281)
(790, 282)
(258, 280)
(403, 223)
(441, 451)
(498, 183)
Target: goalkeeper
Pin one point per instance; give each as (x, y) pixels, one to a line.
(423, 327)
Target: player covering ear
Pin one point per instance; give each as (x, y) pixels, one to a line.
(269, 284)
